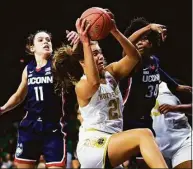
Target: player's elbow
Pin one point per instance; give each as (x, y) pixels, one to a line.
(18, 98)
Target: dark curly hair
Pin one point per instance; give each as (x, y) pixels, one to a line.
(140, 22)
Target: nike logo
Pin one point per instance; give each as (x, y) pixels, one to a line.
(39, 119)
(54, 130)
(145, 68)
(31, 71)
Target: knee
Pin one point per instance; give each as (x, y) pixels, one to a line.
(146, 133)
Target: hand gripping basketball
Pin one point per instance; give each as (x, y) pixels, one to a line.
(82, 28)
(100, 22)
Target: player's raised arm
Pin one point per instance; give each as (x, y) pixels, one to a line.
(135, 36)
(161, 29)
(18, 96)
(92, 81)
(123, 67)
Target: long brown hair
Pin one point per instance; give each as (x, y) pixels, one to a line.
(66, 67)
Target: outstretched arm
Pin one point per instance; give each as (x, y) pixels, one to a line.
(18, 96)
(184, 108)
(172, 83)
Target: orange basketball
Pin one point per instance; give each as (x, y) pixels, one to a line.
(100, 22)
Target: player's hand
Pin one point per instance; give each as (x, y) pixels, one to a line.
(1, 110)
(72, 37)
(82, 27)
(111, 15)
(184, 88)
(161, 29)
(165, 108)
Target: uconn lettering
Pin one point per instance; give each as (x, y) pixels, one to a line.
(151, 78)
(40, 80)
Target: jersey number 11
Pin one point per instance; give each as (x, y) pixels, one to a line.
(39, 93)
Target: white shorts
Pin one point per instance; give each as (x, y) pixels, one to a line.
(92, 148)
(184, 153)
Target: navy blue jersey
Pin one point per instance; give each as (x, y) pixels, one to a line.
(42, 102)
(143, 89)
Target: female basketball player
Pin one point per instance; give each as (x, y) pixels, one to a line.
(173, 132)
(101, 142)
(40, 132)
(143, 82)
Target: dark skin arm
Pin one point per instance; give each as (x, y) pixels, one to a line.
(182, 88)
(185, 108)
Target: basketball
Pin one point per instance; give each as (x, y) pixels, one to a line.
(100, 22)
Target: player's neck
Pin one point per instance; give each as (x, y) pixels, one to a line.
(40, 62)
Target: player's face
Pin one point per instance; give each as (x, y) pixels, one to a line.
(144, 46)
(98, 56)
(42, 44)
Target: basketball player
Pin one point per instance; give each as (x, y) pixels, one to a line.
(143, 82)
(40, 131)
(100, 103)
(173, 132)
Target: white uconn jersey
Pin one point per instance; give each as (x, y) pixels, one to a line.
(104, 111)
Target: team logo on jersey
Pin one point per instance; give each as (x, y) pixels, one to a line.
(48, 73)
(152, 67)
(19, 149)
(48, 69)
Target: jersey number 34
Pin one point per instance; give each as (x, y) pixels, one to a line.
(152, 91)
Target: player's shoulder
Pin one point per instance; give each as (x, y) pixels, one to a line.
(31, 65)
(155, 58)
(79, 85)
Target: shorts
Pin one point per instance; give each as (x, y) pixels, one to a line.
(36, 138)
(92, 149)
(184, 153)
